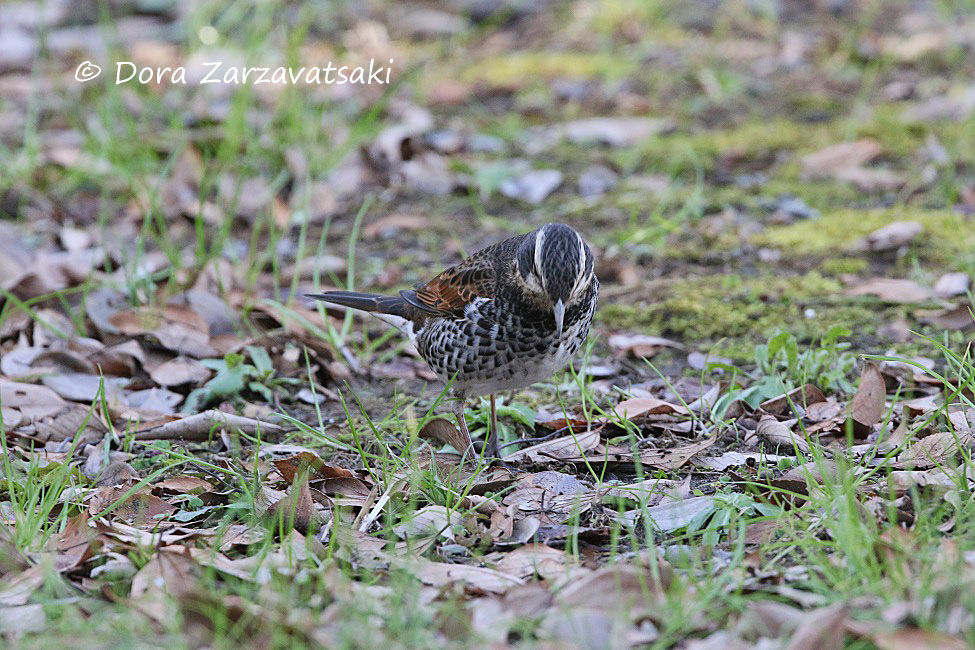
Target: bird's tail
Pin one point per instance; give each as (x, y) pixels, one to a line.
(371, 302)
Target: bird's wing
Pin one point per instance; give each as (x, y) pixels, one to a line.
(451, 291)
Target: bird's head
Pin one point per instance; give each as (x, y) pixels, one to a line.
(555, 266)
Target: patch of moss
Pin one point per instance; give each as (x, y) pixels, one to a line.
(842, 265)
(752, 140)
(739, 312)
(946, 234)
(514, 70)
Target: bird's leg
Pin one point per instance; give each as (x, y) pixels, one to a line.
(462, 425)
(492, 450)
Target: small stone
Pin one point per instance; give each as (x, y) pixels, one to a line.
(951, 284)
(596, 181)
(532, 186)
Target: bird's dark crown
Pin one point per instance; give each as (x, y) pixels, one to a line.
(555, 263)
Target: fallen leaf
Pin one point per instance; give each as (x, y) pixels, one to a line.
(778, 434)
(673, 515)
(427, 521)
(821, 629)
(912, 638)
(18, 589)
(890, 237)
(531, 559)
(613, 131)
(179, 371)
(640, 345)
(439, 574)
(444, 431)
(532, 186)
(868, 404)
(935, 449)
(952, 284)
(621, 588)
(141, 509)
(570, 446)
(185, 484)
(844, 155)
(76, 543)
(390, 225)
(293, 465)
(17, 621)
(871, 179)
(596, 180)
(892, 290)
(671, 459)
(800, 397)
(295, 510)
(637, 407)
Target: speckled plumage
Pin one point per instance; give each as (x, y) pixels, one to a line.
(490, 323)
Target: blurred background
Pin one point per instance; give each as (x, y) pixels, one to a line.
(731, 162)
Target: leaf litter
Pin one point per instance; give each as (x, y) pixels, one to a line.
(185, 436)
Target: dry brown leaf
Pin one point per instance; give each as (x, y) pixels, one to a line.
(177, 327)
(821, 629)
(871, 179)
(392, 224)
(66, 423)
(293, 465)
(892, 290)
(532, 559)
(890, 237)
(185, 484)
(935, 449)
(10, 417)
(673, 514)
(76, 543)
(18, 395)
(868, 404)
(445, 431)
(427, 521)
(179, 371)
(566, 447)
(482, 579)
(825, 162)
(951, 318)
(141, 509)
(612, 131)
(532, 186)
(296, 510)
(822, 411)
(800, 397)
(169, 570)
(637, 407)
(912, 638)
(952, 284)
(640, 345)
(17, 590)
(778, 434)
(671, 459)
(902, 481)
(618, 588)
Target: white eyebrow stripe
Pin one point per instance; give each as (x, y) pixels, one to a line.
(580, 275)
(539, 239)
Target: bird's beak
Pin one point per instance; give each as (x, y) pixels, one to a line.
(559, 315)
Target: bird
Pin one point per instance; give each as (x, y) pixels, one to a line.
(508, 316)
